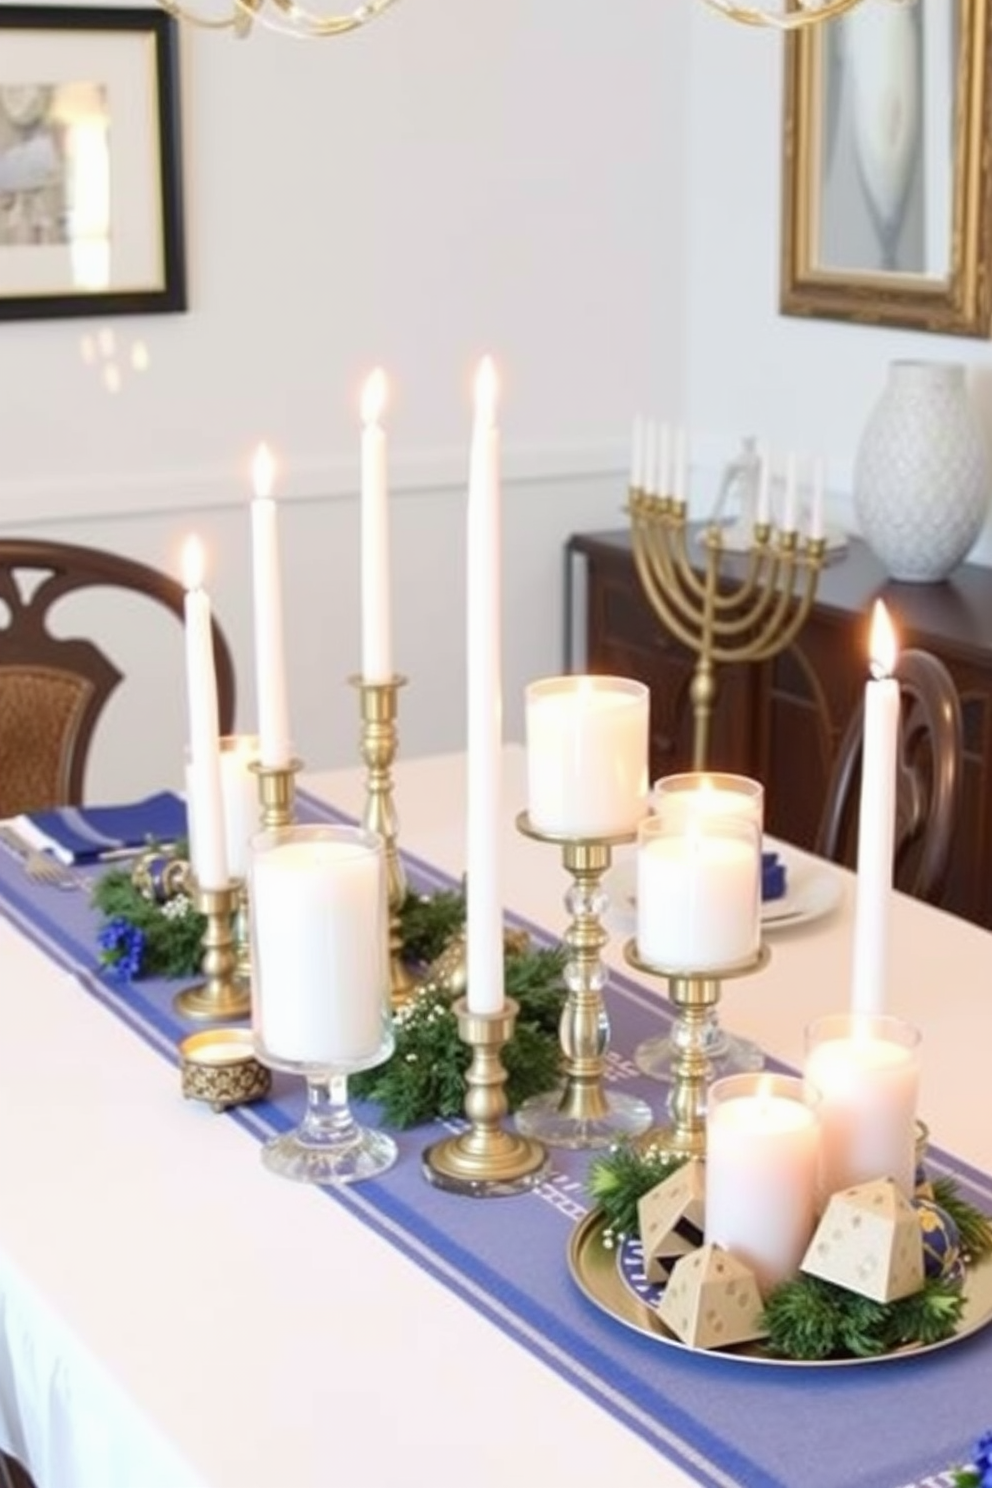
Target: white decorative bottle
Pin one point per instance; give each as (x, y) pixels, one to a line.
(921, 476)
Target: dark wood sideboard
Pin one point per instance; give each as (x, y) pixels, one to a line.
(780, 721)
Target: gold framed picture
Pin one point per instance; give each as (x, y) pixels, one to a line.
(887, 168)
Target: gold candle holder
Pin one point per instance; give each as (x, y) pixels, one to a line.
(581, 1113)
(695, 996)
(220, 996)
(486, 1161)
(277, 792)
(379, 703)
(242, 933)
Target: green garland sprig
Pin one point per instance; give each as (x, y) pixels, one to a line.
(425, 1077)
(143, 938)
(809, 1318)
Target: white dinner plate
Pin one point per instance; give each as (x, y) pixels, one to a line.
(812, 890)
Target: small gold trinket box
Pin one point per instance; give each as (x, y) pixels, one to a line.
(219, 1067)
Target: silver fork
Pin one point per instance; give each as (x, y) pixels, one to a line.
(39, 866)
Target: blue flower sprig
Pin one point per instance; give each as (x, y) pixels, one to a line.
(122, 946)
(979, 1473)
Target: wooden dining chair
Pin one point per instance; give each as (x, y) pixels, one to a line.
(53, 688)
(928, 780)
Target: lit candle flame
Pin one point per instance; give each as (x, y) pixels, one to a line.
(882, 647)
(194, 562)
(486, 391)
(263, 471)
(374, 397)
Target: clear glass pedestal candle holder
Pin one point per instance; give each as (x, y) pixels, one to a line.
(321, 993)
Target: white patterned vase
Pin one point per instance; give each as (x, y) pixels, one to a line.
(921, 476)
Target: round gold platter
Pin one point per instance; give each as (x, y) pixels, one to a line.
(596, 1272)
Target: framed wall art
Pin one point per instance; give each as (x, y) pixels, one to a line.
(91, 212)
(887, 169)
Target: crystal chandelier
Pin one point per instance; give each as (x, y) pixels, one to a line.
(789, 15)
(309, 20)
(285, 16)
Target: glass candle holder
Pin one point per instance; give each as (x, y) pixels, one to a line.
(699, 875)
(762, 1147)
(862, 1071)
(587, 755)
(321, 994)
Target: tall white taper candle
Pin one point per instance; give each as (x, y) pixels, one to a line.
(206, 800)
(275, 748)
(484, 910)
(876, 820)
(377, 659)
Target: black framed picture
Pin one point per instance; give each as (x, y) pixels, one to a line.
(91, 208)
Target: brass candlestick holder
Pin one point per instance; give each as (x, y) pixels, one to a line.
(277, 792)
(750, 620)
(486, 1161)
(695, 996)
(379, 709)
(581, 1113)
(221, 995)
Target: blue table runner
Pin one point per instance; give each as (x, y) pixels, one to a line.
(895, 1424)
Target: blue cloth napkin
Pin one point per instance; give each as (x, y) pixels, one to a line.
(773, 885)
(87, 834)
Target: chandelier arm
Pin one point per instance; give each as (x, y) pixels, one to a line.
(787, 20)
(205, 23)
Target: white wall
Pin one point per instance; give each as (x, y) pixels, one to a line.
(453, 179)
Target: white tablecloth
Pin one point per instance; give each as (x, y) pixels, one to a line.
(171, 1314)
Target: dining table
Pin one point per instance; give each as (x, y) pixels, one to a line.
(173, 1315)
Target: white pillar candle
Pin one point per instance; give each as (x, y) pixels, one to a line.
(862, 1075)
(210, 860)
(698, 884)
(377, 657)
(709, 794)
(587, 755)
(762, 1146)
(876, 821)
(239, 789)
(319, 947)
(484, 907)
(270, 663)
(239, 796)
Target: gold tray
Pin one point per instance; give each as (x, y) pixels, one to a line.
(596, 1272)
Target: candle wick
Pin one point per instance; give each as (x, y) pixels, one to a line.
(879, 671)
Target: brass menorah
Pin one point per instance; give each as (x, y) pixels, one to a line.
(751, 619)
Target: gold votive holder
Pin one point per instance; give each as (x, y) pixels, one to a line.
(220, 996)
(218, 1066)
(581, 1113)
(486, 1160)
(379, 710)
(695, 996)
